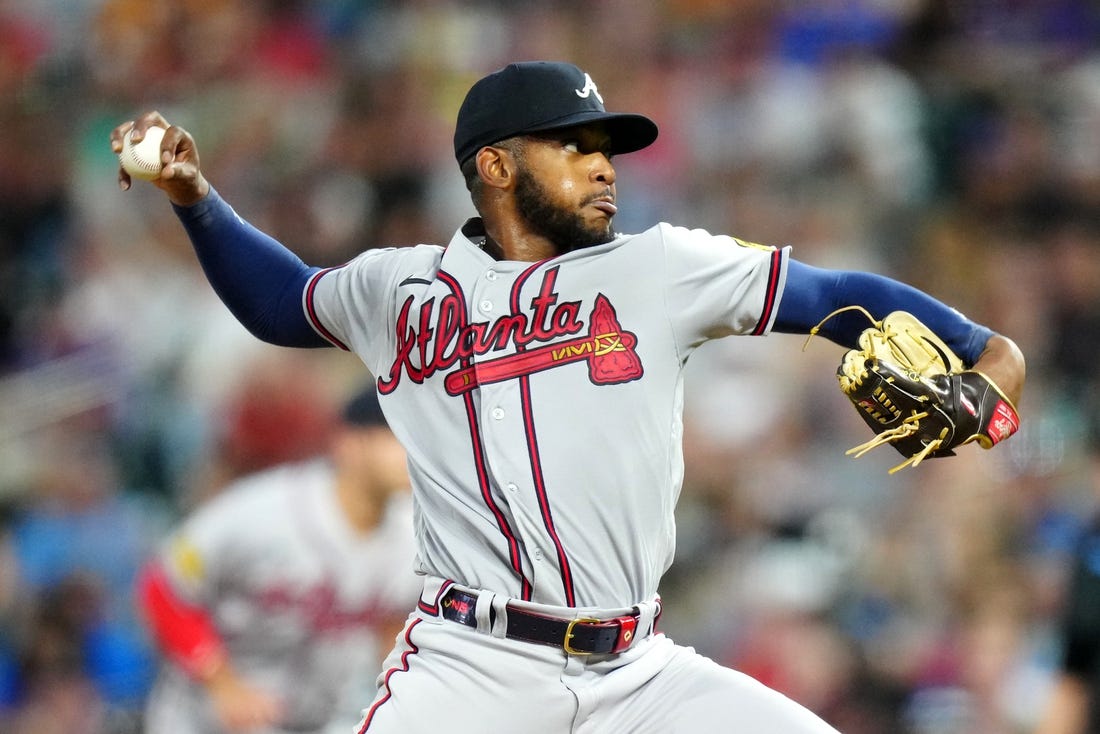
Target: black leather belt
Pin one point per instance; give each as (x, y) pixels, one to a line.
(583, 636)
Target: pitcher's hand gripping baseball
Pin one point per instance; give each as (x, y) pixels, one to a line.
(176, 172)
(918, 396)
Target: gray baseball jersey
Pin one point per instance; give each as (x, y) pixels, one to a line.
(295, 593)
(540, 403)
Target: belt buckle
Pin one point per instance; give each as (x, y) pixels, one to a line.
(567, 644)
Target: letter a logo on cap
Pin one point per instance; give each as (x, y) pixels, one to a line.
(589, 88)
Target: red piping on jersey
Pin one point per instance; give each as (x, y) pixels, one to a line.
(533, 446)
(311, 310)
(403, 668)
(770, 295)
(479, 459)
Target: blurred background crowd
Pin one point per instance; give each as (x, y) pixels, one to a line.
(954, 144)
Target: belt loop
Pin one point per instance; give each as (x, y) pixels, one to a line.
(647, 615)
(499, 617)
(433, 590)
(482, 611)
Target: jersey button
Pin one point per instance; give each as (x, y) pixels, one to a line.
(512, 487)
(498, 413)
(486, 306)
(538, 554)
(491, 275)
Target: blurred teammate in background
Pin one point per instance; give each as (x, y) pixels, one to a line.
(275, 601)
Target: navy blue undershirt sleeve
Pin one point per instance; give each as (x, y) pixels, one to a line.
(258, 279)
(812, 293)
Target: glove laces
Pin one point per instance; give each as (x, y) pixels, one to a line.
(842, 309)
(907, 428)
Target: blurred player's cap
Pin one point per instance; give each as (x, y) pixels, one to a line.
(536, 96)
(363, 409)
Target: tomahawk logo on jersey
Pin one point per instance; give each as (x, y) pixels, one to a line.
(442, 335)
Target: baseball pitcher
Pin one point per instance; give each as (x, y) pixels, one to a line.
(533, 368)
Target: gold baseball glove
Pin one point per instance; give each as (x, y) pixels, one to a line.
(917, 395)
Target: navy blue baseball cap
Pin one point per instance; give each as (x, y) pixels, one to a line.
(537, 96)
(363, 409)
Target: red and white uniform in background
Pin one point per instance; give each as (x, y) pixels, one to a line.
(292, 592)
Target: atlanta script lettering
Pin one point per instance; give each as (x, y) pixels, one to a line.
(437, 338)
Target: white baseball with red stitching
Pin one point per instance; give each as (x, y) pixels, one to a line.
(142, 159)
